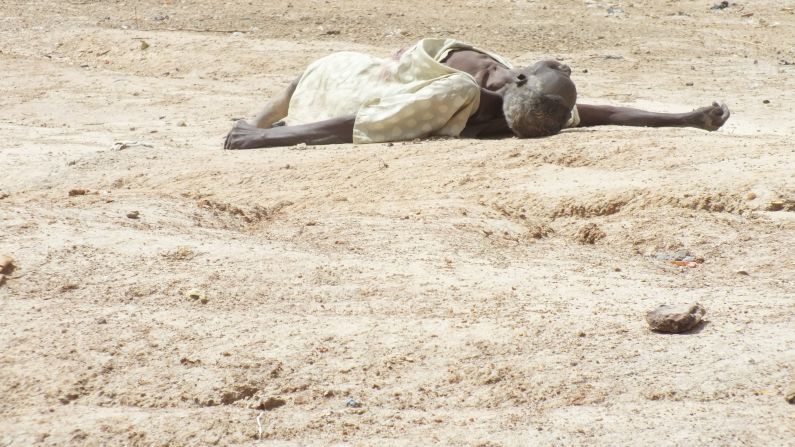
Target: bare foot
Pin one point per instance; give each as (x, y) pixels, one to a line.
(711, 117)
(240, 135)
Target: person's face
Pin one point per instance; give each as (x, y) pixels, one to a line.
(552, 77)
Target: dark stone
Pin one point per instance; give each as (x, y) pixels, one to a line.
(722, 5)
(353, 403)
(270, 403)
(675, 318)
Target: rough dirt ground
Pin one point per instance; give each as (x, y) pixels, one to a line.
(447, 286)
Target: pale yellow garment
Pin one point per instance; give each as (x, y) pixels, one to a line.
(411, 95)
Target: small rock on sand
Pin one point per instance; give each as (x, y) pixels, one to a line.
(270, 403)
(675, 318)
(719, 6)
(791, 397)
(353, 403)
(133, 214)
(775, 205)
(77, 192)
(195, 294)
(6, 264)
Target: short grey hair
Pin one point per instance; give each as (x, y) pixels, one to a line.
(531, 114)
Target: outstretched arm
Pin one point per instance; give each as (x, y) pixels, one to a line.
(707, 118)
(332, 131)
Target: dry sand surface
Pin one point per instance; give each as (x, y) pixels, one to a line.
(456, 292)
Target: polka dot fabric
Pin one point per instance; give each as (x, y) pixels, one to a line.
(411, 95)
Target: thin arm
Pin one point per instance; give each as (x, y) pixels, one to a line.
(331, 131)
(596, 115)
(707, 118)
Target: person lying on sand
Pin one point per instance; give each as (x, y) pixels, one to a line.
(438, 87)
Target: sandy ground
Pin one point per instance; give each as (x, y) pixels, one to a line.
(446, 286)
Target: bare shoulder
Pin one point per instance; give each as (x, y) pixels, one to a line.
(466, 58)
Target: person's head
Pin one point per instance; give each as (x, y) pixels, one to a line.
(539, 102)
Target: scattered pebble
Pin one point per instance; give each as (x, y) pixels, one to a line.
(133, 214)
(681, 258)
(194, 294)
(77, 192)
(675, 318)
(6, 264)
(270, 403)
(722, 5)
(766, 101)
(743, 273)
(189, 362)
(102, 321)
(6, 267)
(791, 397)
(182, 124)
(144, 45)
(775, 205)
(68, 398)
(353, 403)
(690, 264)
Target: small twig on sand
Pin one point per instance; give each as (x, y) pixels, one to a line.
(760, 45)
(196, 30)
(259, 423)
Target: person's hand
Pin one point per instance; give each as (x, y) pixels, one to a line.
(241, 135)
(712, 117)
